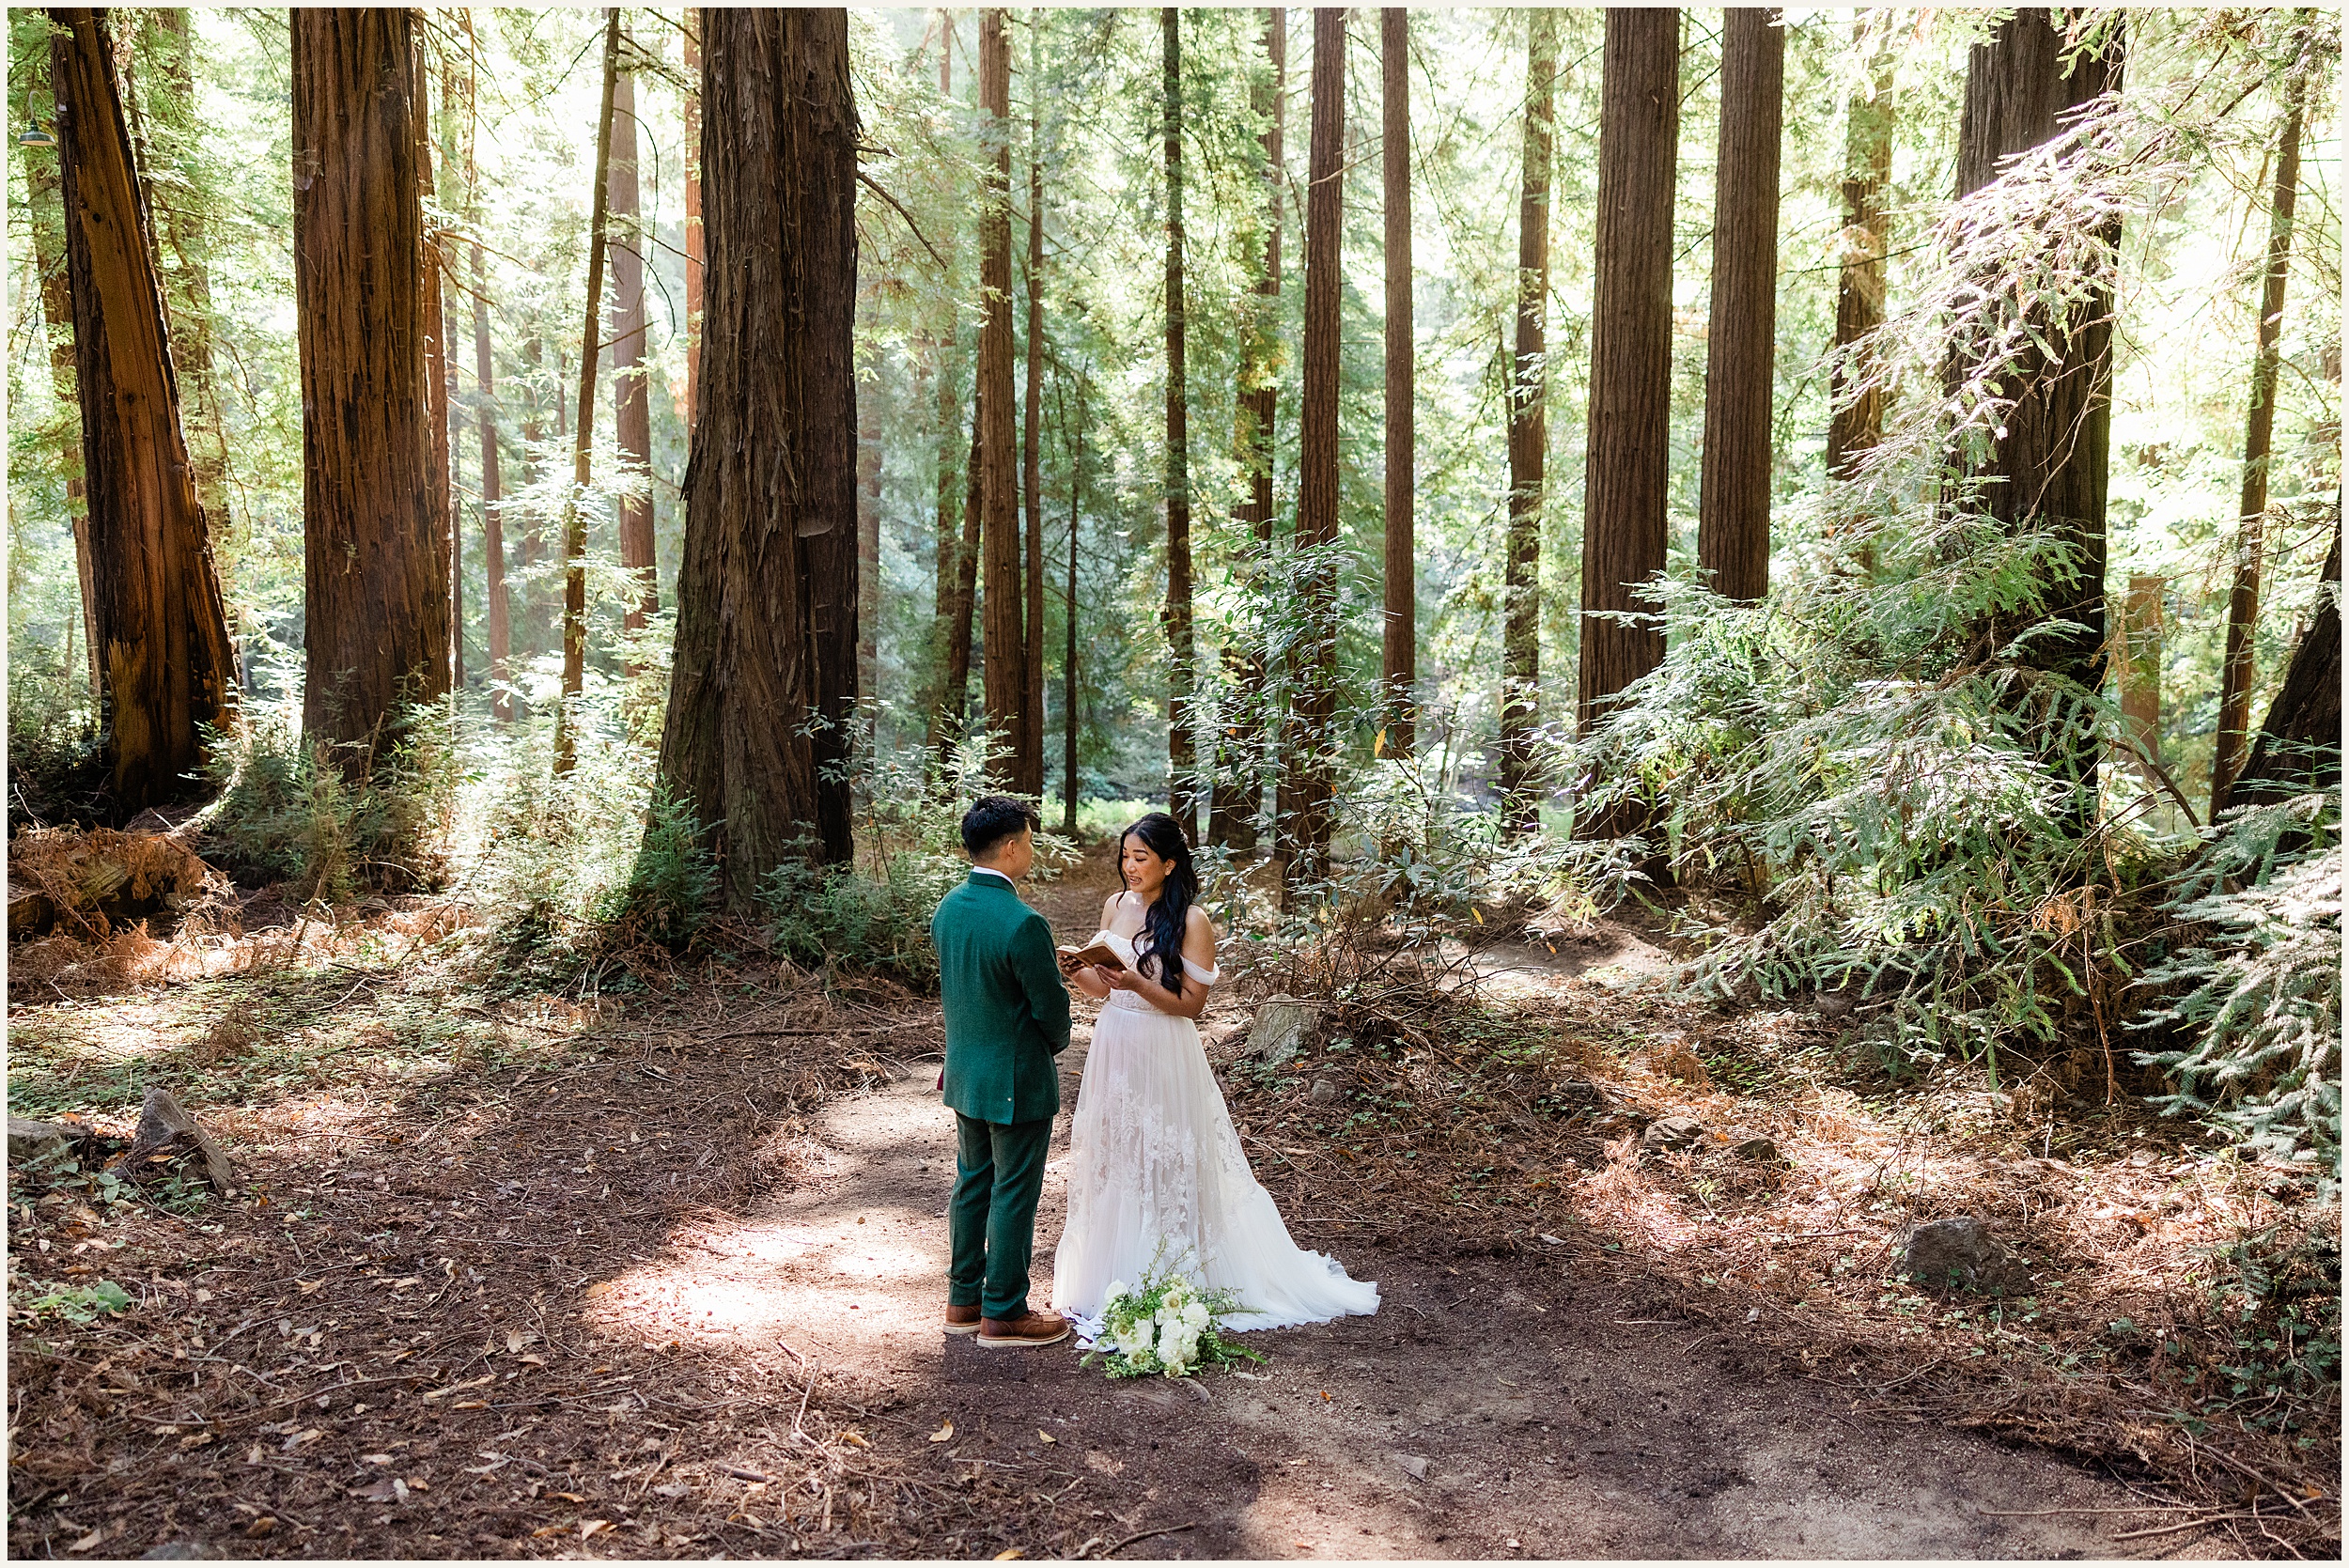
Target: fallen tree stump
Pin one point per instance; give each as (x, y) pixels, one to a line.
(167, 1128)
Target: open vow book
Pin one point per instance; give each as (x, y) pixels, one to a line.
(1098, 955)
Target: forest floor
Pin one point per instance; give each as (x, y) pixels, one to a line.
(661, 1275)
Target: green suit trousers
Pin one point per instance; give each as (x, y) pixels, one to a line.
(990, 1225)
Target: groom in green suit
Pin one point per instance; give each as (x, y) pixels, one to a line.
(1006, 1019)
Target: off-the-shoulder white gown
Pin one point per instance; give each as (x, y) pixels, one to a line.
(1157, 1176)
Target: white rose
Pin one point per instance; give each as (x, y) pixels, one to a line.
(1195, 1318)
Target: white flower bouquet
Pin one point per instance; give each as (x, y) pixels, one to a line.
(1167, 1325)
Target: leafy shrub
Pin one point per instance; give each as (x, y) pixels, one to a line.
(555, 854)
(80, 1304)
(666, 900)
(833, 919)
(2262, 990)
(56, 770)
(288, 811)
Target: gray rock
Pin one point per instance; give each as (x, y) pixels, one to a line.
(1760, 1149)
(1280, 1030)
(1414, 1465)
(166, 1125)
(1835, 1004)
(183, 1551)
(1324, 1092)
(1961, 1253)
(1671, 1132)
(30, 1140)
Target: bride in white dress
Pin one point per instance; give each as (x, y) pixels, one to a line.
(1155, 1173)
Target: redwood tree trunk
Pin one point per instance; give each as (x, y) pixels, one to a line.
(1734, 505)
(1630, 398)
(183, 231)
(496, 604)
(1002, 629)
(631, 397)
(1398, 646)
(1236, 795)
(2299, 749)
(692, 214)
(1181, 743)
(770, 494)
(1313, 735)
(1856, 423)
(1529, 437)
(963, 603)
(45, 219)
(1031, 778)
(2242, 601)
(154, 597)
(1074, 440)
(437, 368)
(2049, 471)
(582, 435)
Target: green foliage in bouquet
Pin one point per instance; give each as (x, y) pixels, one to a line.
(1167, 1325)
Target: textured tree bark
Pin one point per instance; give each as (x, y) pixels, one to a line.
(1031, 777)
(1182, 757)
(963, 603)
(1313, 737)
(693, 280)
(949, 700)
(1630, 397)
(631, 397)
(1237, 796)
(1856, 423)
(2242, 601)
(439, 470)
(770, 494)
(1002, 629)
(153, 595)
(183, 229)
(2138, 654)
(2051, 467)
(1074, 442)
(1397, 661)
(497, 607)
(529, 544)
(1529, 437)
(2299, 749)
(868, 489)
(582, 438)
(45, 219)
(1734, 500)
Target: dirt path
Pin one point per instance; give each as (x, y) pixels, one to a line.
(1493, 1407)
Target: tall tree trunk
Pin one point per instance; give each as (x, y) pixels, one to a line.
(529, 543)
(694, 283)
(1625, 471)
(1528, 438)
(154, 597)
(498, 608)
(770, 496)
(440, 476)
(962, 604)
(2049, 470)
(2236, 671)
(374, 609)
(2299, 749)
(1182, 757)
(1074, 440)
(45, 215)
(582, 438)
(1857, 421)
(1398, 667)
(940, 740)
(868, 491)
(1031, 779)
(631, 397)
(185, 233)
(1003, 631)
(1237, 794)
(2138, 654)
(1312, 728)
(1741, 346)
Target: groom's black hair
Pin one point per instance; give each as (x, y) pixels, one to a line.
(993, 818)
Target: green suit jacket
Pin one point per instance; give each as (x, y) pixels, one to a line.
(1006, 1008)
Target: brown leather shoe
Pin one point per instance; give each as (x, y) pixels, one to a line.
(962, 1320)
(1026, 1331)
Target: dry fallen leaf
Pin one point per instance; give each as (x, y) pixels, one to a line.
(942, 1433)
(1046, 1436)
(311, 1287)
(549, 1530)
(570, 1496)
(593, 1526)
(1008, 1552)
(92, 1539)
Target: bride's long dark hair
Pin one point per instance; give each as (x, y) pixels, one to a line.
(1168, 916)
